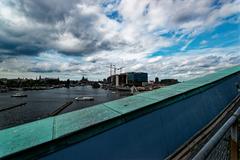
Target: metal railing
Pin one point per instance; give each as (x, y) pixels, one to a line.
(221, 150)
(224, 143)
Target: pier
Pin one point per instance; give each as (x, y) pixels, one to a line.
(58, 110)
(14, 106)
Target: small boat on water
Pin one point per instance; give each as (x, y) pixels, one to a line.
(84, 98)
(123, 88)
(19, 95)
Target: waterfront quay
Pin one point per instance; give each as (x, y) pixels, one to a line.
(30, 100)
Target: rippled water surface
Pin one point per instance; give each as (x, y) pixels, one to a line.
(41, 103)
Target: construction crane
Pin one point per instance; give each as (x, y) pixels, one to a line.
(113, 69)
(110, 67)
(120, 69)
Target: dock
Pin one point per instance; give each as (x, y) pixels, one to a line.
(58, 110)
(15, 106)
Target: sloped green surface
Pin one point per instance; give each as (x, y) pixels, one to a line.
(160, 94)
(129, 104)
(74, 121)
(25, 136)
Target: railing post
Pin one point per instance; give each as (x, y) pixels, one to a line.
(234, 141)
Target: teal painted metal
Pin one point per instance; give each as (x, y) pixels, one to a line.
(129, 104)
(19, 138)
(28, 135)
(160, 94)
(77, 120)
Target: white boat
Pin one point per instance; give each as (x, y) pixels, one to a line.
(84, 98)
(19, 95)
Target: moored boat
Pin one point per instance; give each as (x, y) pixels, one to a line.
(84, 98)
(19, 95)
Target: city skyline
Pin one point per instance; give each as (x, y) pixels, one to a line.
(71, 39)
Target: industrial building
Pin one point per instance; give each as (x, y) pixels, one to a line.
(129, 78)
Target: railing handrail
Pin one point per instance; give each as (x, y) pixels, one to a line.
(208, 147)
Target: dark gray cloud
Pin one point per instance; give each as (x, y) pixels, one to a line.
(12, 47)
(43, 70)
(186, 17)
(47, 11)
(234, 60)
(45, 22)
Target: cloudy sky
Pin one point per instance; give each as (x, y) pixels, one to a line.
(73, 38)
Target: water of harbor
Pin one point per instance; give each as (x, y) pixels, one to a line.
(40, 103)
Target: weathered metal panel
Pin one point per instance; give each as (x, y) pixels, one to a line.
(25, 136)
(160, 94)
(77, 120)
(129, 104)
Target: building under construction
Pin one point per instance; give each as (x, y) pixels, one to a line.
(128, 79)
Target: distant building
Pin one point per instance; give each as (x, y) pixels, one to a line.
(104, 80)
(67, 84)
(117, 80)
(129, 78)
(168, 82)
(137, 78)
(156, 80)
(84, 80)
(3, 80)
